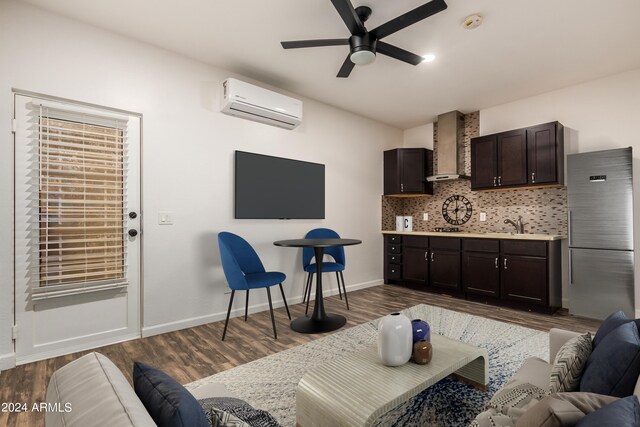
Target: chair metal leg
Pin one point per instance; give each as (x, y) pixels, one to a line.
(306, 310)
(285, 301)
(344, 287)
(306, 288)
(273, 319)
(226, 322)
(246, 306)
(339, 290)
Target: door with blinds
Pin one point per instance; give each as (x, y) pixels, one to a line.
(77, 227)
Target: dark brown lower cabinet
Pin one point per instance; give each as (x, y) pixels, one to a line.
(415, 265)
(524, 279)
(444, 269)
(519, 273)
(481, 272)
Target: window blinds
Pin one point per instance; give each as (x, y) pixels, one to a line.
(79, 201)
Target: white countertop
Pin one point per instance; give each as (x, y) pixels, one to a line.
(481, 235)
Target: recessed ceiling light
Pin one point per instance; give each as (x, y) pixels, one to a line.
(430, 57)
(472, 21)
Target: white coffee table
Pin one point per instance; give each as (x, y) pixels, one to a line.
(357, 389)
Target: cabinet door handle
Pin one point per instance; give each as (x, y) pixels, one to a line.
(505, 263)
(426, 256)
(533, 177)
(402, 188)
(497, 262)
(499, 181)
(432, 257)
(495, 181)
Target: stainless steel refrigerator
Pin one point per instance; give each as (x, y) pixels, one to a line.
(600, 198)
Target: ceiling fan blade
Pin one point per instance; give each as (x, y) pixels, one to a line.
(397, 53)
(409, 18)
(349, 16)
(347, 67)
(314, 43)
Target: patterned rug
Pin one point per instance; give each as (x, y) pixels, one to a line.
(269, 383)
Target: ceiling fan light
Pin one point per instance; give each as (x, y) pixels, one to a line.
(363, 57)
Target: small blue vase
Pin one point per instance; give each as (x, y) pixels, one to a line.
(421, 330)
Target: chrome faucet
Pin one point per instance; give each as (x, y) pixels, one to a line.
(518, 224)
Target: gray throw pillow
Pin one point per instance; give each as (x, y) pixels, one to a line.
(569, 364)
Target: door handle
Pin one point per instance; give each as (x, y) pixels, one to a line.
(533, 177)
(505, 263)
(570, 268)
(133, 232)
(495, 180)
(426, 255)
(569, 228)
(499, 181)
(497, 262)
(432, 257)
(402, 188)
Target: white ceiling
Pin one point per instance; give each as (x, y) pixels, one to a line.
(523, 48)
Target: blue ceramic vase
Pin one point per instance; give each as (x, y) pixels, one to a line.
(421, 330)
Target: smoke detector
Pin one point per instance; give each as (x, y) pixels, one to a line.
(472, 21)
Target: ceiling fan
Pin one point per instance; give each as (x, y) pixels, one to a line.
(363, 43)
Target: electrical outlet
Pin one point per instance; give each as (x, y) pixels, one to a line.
(425, 216)
(483, 216)
(165, 218)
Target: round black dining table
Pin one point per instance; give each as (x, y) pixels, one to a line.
(319, 321)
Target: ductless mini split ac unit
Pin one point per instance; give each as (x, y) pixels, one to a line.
(251, 102)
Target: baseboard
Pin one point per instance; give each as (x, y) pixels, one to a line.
(7, 361)
(215, 317)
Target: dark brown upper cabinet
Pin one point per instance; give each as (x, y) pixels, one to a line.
(406, 171)
(545, 155)
(525, 157)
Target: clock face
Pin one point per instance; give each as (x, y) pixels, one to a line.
(456, 210)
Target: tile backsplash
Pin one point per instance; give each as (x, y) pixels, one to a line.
(543, 211)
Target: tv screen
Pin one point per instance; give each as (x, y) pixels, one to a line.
(270, 187)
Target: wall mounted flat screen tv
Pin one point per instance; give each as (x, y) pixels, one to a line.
(268, 187)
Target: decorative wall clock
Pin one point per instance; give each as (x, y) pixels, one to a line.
(456, 210)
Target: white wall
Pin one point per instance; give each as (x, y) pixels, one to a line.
(601, 114)
(419, 136)
(188, 151)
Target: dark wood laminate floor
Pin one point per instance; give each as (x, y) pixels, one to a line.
(195, 353)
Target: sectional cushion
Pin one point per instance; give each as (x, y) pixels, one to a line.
(168, 402)
(614, 364)
(563, 409)
(98, 393)
(569, 363)
(621, 413)
(609, 324)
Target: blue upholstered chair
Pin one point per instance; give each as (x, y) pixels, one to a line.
(244, 271)
(337, 266)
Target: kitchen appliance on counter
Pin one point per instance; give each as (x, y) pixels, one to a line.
(600, 199)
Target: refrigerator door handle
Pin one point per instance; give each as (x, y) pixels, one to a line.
(569, 227)
(570, 268)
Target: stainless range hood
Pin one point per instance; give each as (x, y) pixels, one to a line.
(449, 148)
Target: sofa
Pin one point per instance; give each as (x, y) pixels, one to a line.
(92, 392)
(528, 398)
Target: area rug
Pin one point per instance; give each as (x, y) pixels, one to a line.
(269, 383)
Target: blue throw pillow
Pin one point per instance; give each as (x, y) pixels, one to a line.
(610, 323)
(621, 413)
(614, 365)
(168, 403)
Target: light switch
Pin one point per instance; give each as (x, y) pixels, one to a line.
(483, 216)
(425, 216)
(165, 218)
